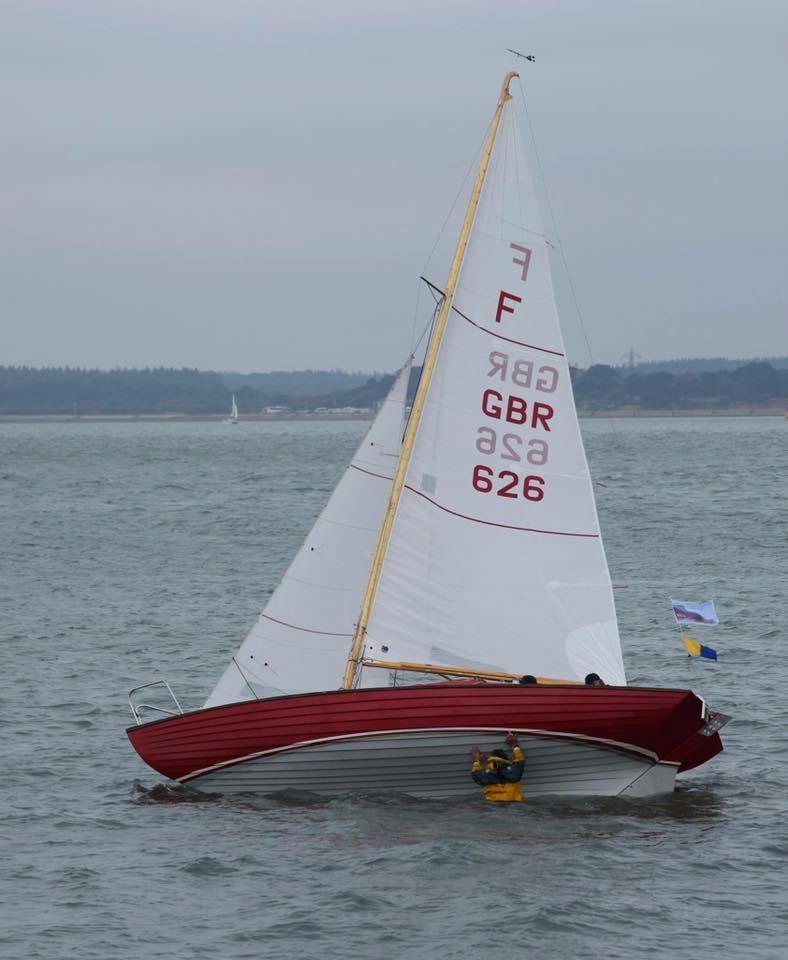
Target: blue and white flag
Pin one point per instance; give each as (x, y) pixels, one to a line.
(699, 613)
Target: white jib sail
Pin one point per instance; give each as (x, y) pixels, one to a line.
(301, 639)
(234, 411)
(495, 558)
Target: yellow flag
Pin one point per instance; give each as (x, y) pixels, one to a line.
(691, 646)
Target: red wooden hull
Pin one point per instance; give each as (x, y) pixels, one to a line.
(656, 726)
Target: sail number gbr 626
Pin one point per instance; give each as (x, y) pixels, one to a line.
(504, 440)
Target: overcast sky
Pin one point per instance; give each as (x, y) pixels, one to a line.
(254, 185)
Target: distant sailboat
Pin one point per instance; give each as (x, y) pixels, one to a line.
(233, 412)
(468, 549)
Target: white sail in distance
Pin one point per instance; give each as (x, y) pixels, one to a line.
(495, 559)
(234, 410)
(300, 640)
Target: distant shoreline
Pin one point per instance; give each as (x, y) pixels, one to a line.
(613, 414)
(628, 413)
(177, 418)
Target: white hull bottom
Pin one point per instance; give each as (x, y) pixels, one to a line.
(437, 765)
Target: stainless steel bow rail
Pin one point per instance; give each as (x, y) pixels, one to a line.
(137, 707)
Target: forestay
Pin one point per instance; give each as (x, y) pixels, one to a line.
(301, 638)
(495, 559)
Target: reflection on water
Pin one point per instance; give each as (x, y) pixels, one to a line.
(170, 793)
(688, 802)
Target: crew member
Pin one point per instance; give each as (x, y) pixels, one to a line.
(594, 680)
(498, 774)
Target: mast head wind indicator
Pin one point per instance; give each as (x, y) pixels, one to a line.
(523, 56)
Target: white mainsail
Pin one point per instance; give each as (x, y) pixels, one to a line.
(495, 559)
(300, 641)
(234, 411)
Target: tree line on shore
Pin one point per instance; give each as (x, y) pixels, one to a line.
(67, 391)
(602, 387)
(72, 391)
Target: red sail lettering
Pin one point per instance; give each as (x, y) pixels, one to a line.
(489, 407)
(541, 413)
(502, 307)
(516, 410)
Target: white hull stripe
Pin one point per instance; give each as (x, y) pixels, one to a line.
(525, 731)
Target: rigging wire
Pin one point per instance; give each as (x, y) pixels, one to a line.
(429, 327)
(554, 222)
(471, 167)
(559, 242)
(453, 206)
(431, 322)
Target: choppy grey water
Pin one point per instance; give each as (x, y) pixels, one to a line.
(129, 552)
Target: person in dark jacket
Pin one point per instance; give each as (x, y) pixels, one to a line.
(498, 774)
(594, 680)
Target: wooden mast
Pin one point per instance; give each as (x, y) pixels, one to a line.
(354, 655)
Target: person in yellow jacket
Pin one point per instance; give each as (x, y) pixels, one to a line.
(498, 774)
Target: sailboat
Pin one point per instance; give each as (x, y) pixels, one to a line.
(460, 550)
(233, 412)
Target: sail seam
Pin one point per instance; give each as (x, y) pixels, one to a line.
(319, 586)
(323, 633)
(500, 336)
(504, 526)
(303, 646)
(381, 476)
(348, 526)
(517, 226)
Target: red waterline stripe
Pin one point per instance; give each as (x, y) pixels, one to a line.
(505, 526)
(322, 633)
(500, 336)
